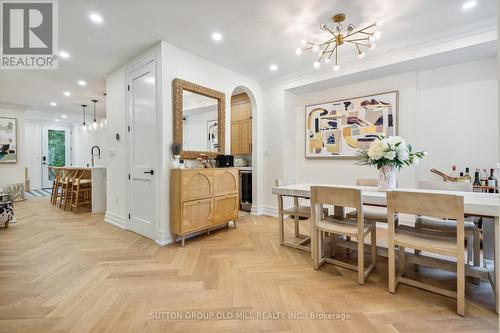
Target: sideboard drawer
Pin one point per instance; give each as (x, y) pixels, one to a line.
(225, 181)
(196, 215)
(225, 208)
(196, 184)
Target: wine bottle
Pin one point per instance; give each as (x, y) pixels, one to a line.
(477, 182)
(484, 178)
(453, 170)
(467, 175)
(492, 181)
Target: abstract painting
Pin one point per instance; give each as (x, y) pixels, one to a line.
(340, 128)
(8, 140)
(213, 142)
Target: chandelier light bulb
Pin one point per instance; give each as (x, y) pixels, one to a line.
(95, 124)
(372, 39)
(298, 51)
(84, 128)
(303, 42)
(379, 23)
(372, 46)
(377, 34)
(317, 64)
(315, 48)
(322, 26)
(336, 68)
(361, 55)
(90, 128)
(328, 60)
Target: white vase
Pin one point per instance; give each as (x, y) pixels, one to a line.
(387, 178)
(176, 162)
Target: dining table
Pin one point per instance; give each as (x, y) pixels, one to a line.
(484, 205)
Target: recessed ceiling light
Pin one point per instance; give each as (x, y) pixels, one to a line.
(469, 5)
(64, 116)
(217, 36)
(82, 83)
(56, 120)
(53, 103)
(273, 67)
(96, 18)
(64, 54)
(67, 93)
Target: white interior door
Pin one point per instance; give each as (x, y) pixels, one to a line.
(142, 151)
(56, 151)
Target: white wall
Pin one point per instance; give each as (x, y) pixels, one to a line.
(175, 63)
(195, 130)
(116, 155)
(13, 173)
(83, 141)
(451, 112)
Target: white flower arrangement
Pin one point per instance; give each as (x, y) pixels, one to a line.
(391, 151)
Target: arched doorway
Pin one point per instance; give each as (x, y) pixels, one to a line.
(242, 143)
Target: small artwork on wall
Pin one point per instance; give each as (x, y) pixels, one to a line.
(212, 130)
(340, 128)
(8, 140)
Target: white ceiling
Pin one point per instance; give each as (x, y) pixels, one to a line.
(256, 34)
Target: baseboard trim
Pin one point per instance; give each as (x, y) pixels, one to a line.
(116, 220)
(265, 210)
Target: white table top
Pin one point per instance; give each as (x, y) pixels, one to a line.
(483, 204)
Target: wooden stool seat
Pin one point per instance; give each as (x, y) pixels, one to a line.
(342, 227)
(426, 241)
(371, 214)
(302, 211)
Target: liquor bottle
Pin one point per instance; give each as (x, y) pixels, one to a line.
(492, 181)
(467, 174)
(484, 177)
(477, 182)
(453, 170)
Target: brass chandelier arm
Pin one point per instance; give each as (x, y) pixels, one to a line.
(356, 40)
(356, 43)
(361, 30)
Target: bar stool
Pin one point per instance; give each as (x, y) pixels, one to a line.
(81, 191)
(338, 225)
(55, 184)
(66, 187)
(441, 206)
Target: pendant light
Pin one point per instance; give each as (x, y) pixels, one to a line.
(95, 120)
(84, 107)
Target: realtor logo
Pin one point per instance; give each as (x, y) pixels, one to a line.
(28, 34)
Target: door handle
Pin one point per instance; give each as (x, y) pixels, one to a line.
(151, 172)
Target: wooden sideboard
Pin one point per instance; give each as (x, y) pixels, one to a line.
(202, 198)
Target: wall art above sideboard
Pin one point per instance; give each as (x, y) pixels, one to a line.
(340, 128)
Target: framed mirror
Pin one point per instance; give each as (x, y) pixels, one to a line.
(199, 119)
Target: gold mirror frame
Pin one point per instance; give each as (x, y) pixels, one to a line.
(178, 87)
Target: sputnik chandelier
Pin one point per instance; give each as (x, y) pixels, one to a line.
(364, 38)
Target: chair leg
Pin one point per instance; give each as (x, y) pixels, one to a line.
(470, 241)
(374, 245)
(361, 260)
(296, 222)
(460, 285)
(348, 250)
(402, 261)
(391, 253)
(417, 253)
(316, 247)
(281, 228)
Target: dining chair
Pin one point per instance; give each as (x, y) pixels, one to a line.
(441, 206)
(296, 211)
(449, 227)
(341, 226)
(371, 214)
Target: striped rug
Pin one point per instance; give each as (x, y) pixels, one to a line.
(39, 193)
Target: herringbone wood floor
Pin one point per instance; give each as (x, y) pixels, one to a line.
(65, 273)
